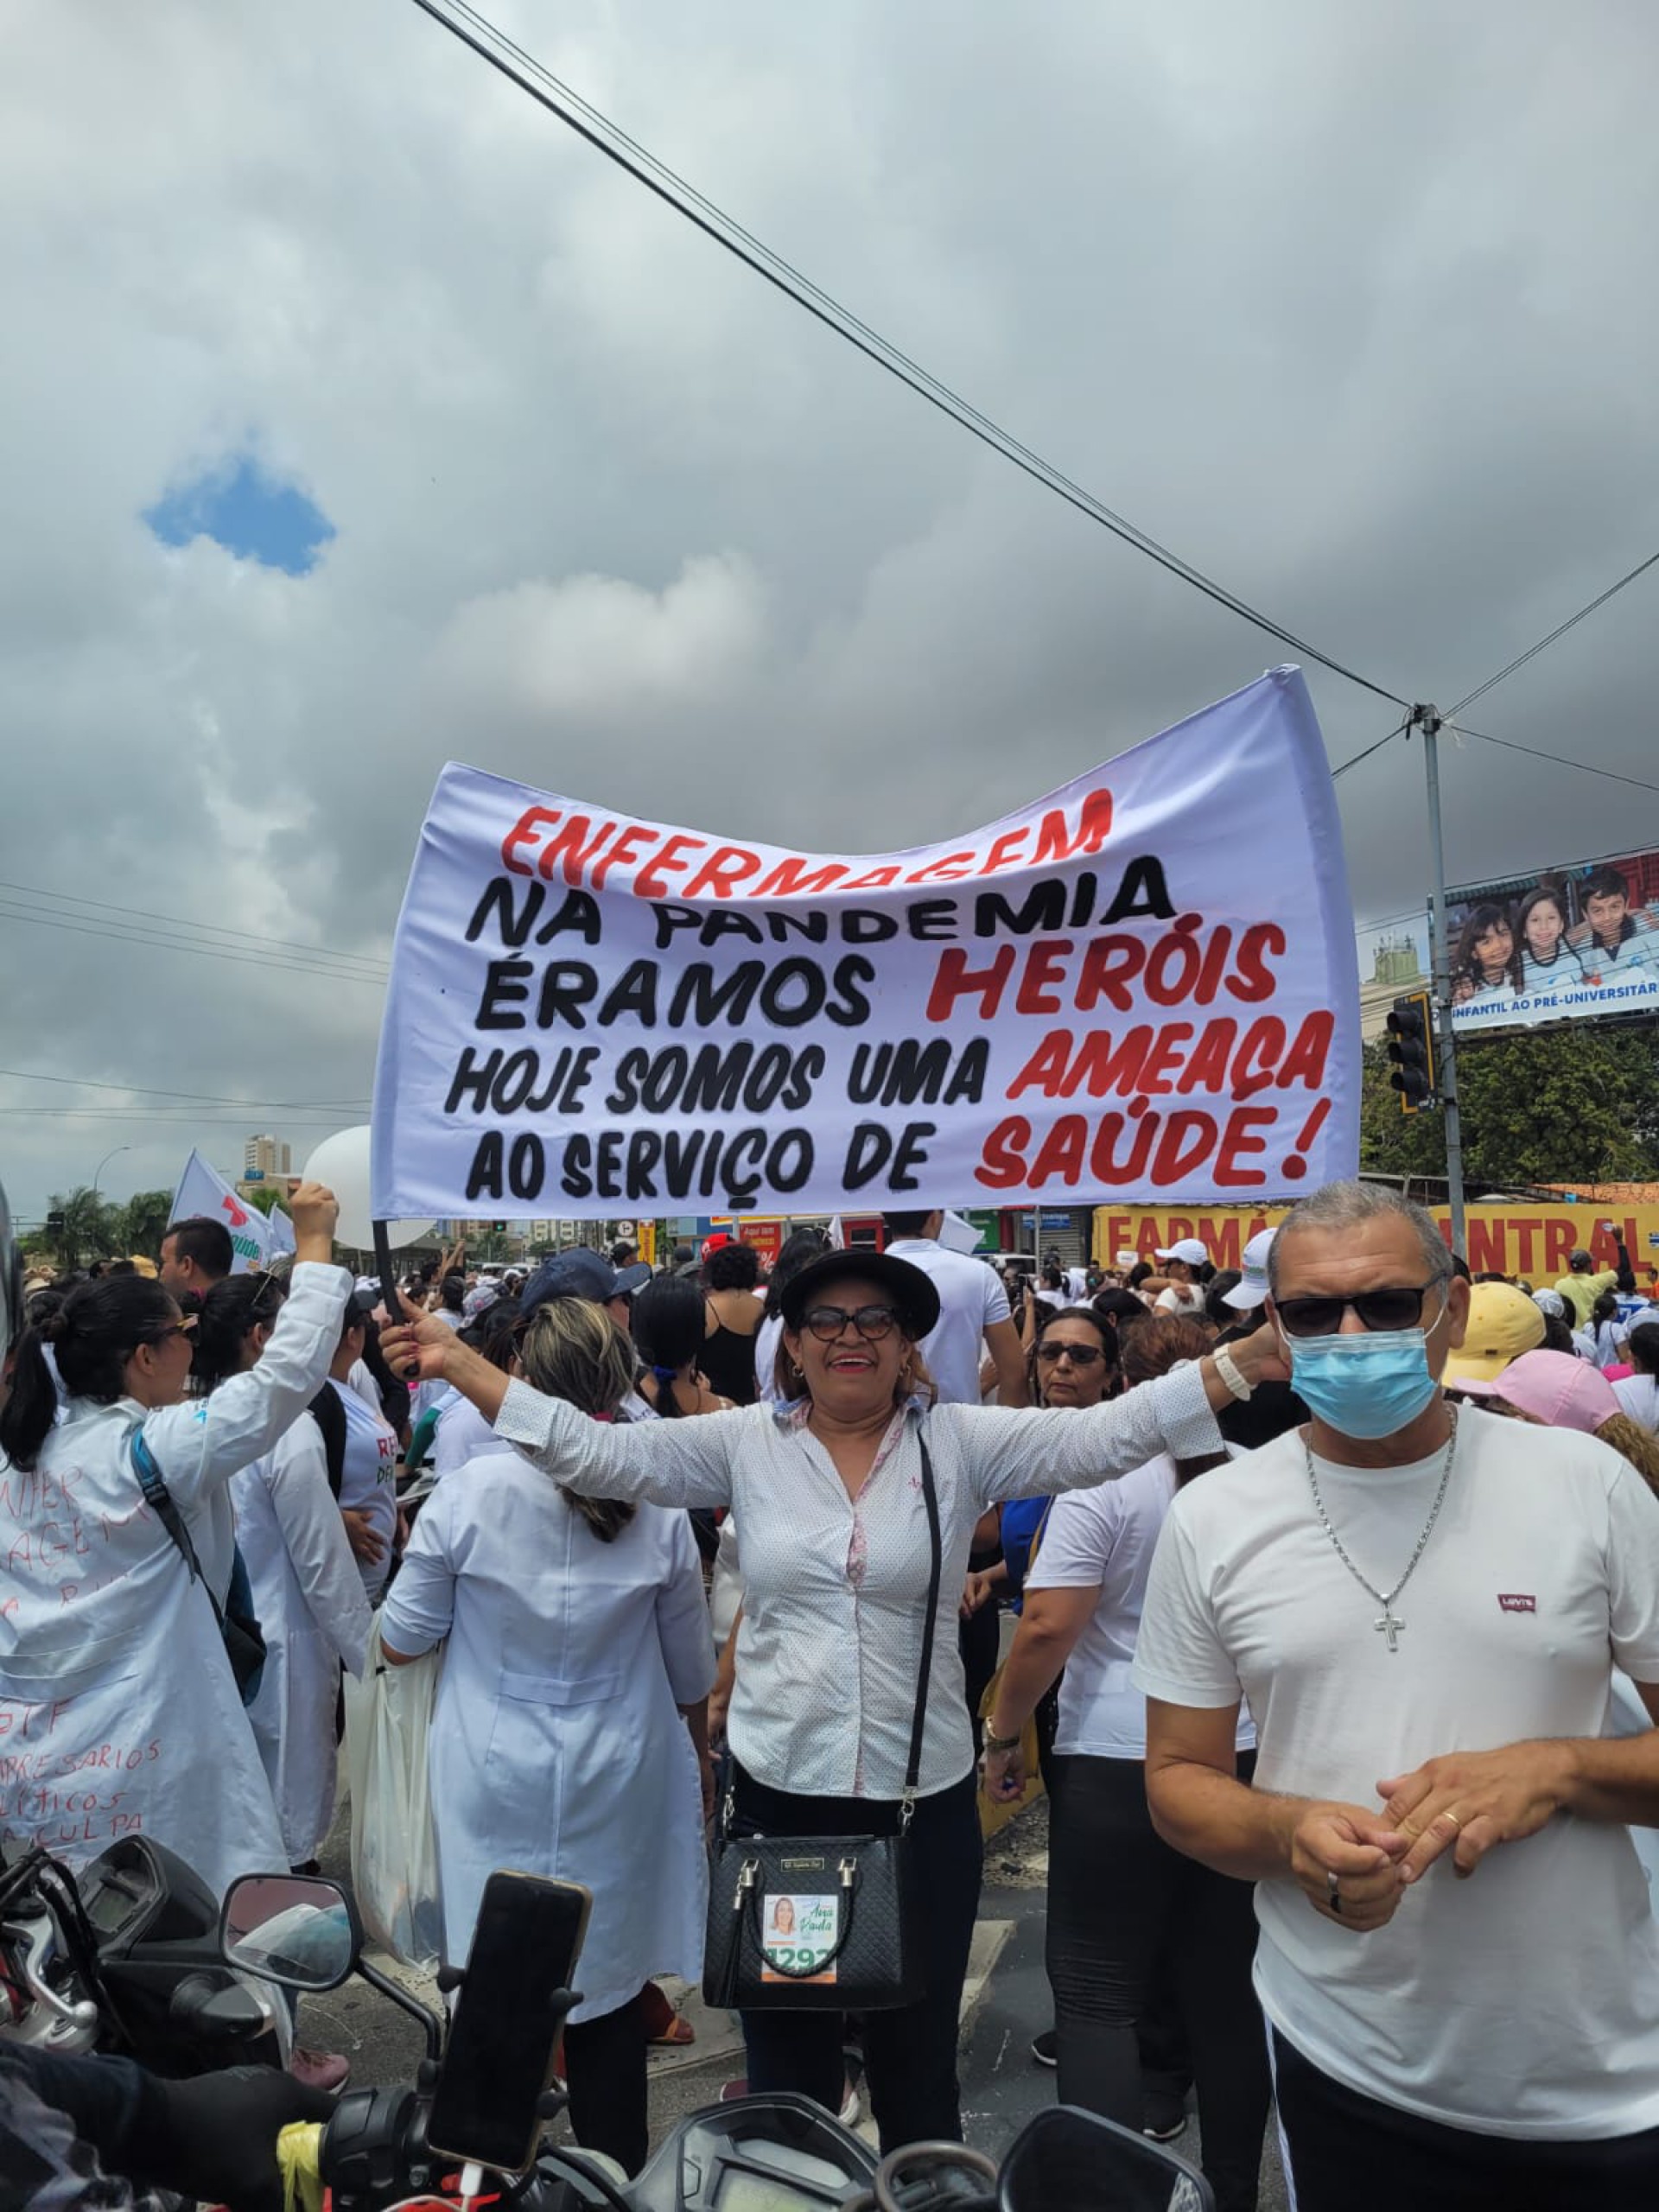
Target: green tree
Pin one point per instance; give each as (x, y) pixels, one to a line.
(144, 1223)
(264, 1196)
(90, 1230)
(1558, 1105)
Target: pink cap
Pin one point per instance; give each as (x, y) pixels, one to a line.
(1558, 1388)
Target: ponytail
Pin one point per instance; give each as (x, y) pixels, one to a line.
(93, 1334)
(669, 1325)
(27, 1417)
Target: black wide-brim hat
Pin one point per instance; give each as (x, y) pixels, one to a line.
(909, 1288)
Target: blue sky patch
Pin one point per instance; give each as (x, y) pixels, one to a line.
(247, 511)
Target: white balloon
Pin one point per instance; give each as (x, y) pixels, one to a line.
(342, 1162)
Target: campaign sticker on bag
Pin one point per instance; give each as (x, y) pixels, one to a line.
(797, 1932)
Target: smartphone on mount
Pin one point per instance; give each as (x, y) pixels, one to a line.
(498, 2063)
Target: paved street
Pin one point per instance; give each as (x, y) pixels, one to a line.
(1005, 2003)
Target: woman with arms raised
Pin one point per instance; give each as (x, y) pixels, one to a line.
(114, 1681)
(829, 1490)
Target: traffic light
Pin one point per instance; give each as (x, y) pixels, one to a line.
(1411, 1048)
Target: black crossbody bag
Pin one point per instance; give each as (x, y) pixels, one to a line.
(238, 1624)
(852, 1944)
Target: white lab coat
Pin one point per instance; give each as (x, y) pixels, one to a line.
(119, 1711)
(556, 1744)
(315, 1613)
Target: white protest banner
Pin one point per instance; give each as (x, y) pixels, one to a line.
(1143, 985)
(254, 1240)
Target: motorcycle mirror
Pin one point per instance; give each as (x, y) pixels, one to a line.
(297, 1929)
(1089, 2165)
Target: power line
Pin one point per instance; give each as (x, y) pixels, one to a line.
(208, 1097)
(1354, 760)
(1560, 631)
(589, 124)
(200, 951)
(175, 925)
(1558, 760)
(169, 1114)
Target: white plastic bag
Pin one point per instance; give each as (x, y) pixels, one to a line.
(394, 1850)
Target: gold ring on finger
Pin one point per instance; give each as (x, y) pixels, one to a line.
(1450, 1815)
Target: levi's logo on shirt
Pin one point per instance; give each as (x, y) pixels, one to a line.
(1517, 1601)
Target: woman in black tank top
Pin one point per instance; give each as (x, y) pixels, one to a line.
(730, 1273)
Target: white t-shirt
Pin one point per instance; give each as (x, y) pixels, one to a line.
(1077, 1284)
(368, 1480)
(367, 1387)
(1638, 1397)
(970, 1300)
(1523, 2002)
(1104, 1538)
(1185, 1299)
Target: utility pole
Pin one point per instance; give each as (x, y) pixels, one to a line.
(1430, 721)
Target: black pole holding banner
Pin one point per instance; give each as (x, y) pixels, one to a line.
(383, 1268)
(1430, 721)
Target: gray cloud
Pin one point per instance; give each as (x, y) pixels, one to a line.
(1348, 307)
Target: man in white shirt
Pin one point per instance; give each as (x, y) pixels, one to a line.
(973, 1306)
(1458, 1959)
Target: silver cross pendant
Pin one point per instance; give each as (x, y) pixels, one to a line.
(1390, 1625)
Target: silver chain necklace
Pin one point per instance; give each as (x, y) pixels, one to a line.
(1388, 1624)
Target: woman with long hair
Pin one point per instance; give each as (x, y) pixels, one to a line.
(669, 1333)
(1549, 964)
(114, 1671)
(1126, 1909)
(833, 1492)
(306, 1593)
(1487, 962)
(576, 1639)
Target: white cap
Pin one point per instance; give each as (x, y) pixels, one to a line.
(1190, 1249)
(1550, 1301)
(1251, 1288)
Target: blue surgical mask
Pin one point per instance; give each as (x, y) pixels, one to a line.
(1367, 1384)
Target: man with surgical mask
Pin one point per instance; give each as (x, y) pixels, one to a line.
(1424, 1607)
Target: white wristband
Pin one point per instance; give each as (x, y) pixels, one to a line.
(1228, 1368)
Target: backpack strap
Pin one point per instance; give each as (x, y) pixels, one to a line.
(159, 1501)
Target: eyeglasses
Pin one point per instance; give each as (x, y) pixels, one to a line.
(185, 1328)
(1079, 1355)
(826, 1323)
(1400, 1305)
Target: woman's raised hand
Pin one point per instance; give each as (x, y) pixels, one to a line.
(313, 1210)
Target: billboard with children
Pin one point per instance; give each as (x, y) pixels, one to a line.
(1558, 944)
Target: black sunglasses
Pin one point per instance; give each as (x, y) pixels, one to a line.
(1400, 1305)
(826, 1323)
(1079, 1355)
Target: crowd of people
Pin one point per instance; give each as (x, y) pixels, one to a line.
(670, 1529)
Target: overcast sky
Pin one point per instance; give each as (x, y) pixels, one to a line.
(1351, 306)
